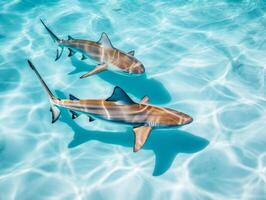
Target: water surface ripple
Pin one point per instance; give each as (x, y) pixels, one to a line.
(205, 58)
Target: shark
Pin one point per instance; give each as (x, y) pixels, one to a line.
(118, 108)
(102, 51)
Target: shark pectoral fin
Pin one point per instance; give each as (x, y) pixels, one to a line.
(141, 135)
(105, 41)
(55, 113)
(144, 100)
(97, 69)
(74, 114)
(71, 52)
(132, 53)
(59, 52)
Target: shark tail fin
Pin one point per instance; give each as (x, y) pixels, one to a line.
(59, 52)
(53, 100)
(53, 36)
(60, 49)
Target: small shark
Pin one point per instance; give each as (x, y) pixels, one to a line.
(119, 108)
(101, 51)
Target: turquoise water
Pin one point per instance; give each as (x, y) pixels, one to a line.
(204, 58)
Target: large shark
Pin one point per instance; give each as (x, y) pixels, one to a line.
(102, 51)
(119, 108)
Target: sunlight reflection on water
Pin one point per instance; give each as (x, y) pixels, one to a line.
(204, 58)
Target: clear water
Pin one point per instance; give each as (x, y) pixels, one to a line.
(205, 58)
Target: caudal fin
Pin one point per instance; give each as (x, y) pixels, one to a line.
(55, 110)
(53, 36)
(60, 49)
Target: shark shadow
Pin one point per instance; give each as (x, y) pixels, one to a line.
(165, 144)
(138, 85)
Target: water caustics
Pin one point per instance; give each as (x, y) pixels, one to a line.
(205, 58)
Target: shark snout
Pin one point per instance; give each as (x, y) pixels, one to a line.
(141, 69)
(188, 119)
(183, 119)
(137, 69)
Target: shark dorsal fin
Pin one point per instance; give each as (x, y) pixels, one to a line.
(72, 97)
(70, 38)
(105, 41)
(120, 96)
(144, 100)
(132, 53)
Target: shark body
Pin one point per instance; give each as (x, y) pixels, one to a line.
(119, 108)
(101, 51)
